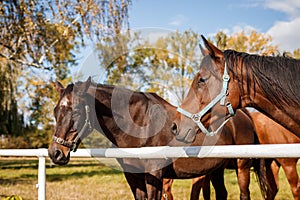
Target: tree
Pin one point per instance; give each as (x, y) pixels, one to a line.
(40, 33)
(296, 53)
(9, 117)
(165, 65)
(38, 43)
(175, 63)
(254, 42)
(221, 40)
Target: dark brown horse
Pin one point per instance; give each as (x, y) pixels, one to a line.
(230, 80)
(136, 119)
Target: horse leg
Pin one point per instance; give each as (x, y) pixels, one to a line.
(206, 188)
(275, 170)
(154, 184)
(197, 184)
(290, 170)
(137, 185)
(268, 177)
(217, 180)
(243, 176)
(167, 187)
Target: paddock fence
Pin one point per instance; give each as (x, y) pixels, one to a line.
(163, 152)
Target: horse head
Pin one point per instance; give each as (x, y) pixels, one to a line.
(212, 96)
(72, 117)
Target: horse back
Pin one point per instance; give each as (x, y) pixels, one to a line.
(270, 132)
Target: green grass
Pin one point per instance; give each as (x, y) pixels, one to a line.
(88, 178)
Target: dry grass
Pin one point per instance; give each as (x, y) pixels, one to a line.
(87, 179)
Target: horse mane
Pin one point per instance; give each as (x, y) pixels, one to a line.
(277, 76)
(100, 85)
(108, 88)
(149, 95)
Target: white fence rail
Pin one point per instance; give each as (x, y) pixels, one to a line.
(228, 151)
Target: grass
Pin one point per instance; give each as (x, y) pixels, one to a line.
(87, 179)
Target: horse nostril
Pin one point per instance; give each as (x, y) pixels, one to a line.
(58, 154)
(174, 128)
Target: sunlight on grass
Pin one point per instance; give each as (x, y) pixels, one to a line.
(89, 179)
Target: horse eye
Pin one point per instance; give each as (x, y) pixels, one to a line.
(202, 80)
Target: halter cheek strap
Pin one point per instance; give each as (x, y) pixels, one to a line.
(86, 127)
(219, 98)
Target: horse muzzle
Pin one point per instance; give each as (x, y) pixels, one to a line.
(60, 156)
(184, 135)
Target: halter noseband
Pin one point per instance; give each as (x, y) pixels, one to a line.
(74, 144)
(221, 97)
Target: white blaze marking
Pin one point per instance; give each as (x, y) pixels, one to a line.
(64, 102)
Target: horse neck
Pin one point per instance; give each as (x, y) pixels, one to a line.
(102, 117)
(114, 118)
(254, 95)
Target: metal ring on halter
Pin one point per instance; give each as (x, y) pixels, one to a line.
(196, 118)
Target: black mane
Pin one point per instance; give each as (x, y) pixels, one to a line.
(277, 76)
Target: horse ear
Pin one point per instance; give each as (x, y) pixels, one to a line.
(213, 51)
(84, 86)
(88, 83)
(59, 88)
(203, 51)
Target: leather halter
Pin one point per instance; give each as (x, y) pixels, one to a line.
(73, 145)
(221, 97)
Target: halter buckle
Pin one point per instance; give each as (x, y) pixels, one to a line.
(226, 77)
(196, 118)
(60, 140)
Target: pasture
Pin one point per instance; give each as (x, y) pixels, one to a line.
(87, 178)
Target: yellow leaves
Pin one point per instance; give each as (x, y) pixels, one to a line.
(238, 42)
(296, 53)
(254, 42)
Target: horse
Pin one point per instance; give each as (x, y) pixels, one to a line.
(228, 80)
(203, 182)
(136, 119)
(198, 183)
(265, 129)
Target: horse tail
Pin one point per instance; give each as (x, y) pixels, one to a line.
(265, 177)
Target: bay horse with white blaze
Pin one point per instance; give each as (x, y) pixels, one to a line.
(135, 119)
(228, 80)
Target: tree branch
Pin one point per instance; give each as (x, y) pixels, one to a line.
(23, 62)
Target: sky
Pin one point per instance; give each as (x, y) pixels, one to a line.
(277, 18)
(155, 18)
